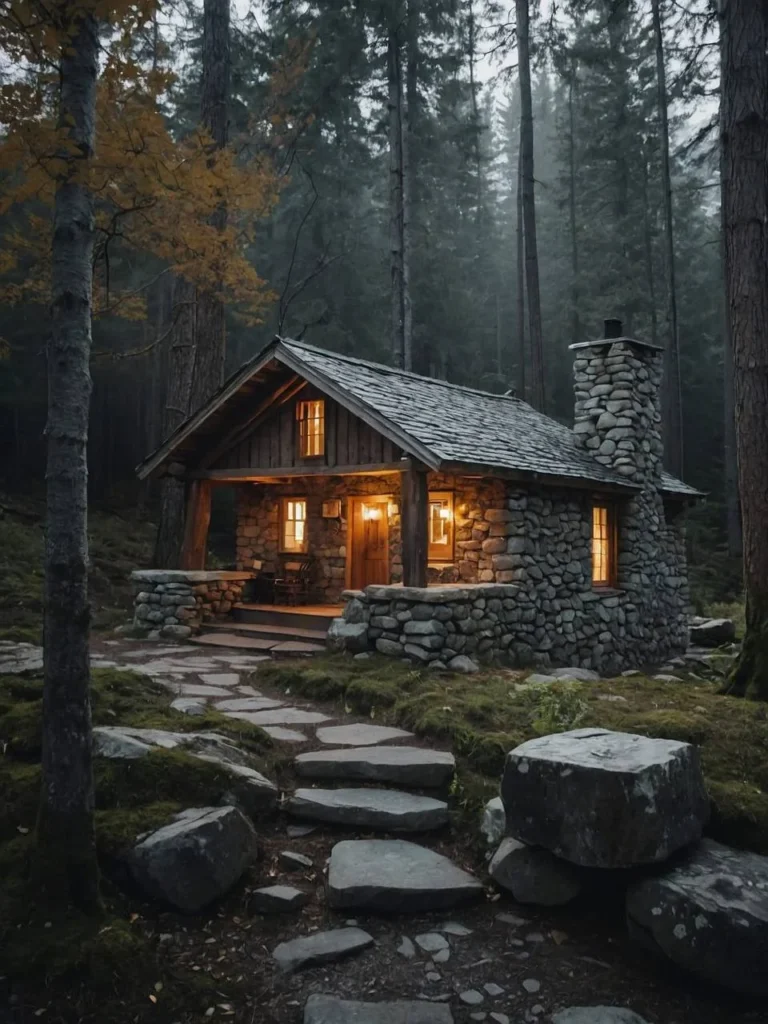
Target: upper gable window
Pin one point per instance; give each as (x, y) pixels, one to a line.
(604, 545)
(311, 417)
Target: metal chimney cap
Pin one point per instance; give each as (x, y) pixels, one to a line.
(613, 327)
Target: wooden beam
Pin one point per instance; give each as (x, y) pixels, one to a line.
(414, 512)
(283, 394)
(196, 524)
(253, 473)
(479, 471)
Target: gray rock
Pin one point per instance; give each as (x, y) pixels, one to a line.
(279, 716)
(299, 831)
(712, 632)
(294, 861)
(360, 734)
(251, 791)
(500, 1018)
(277, 899)
(394, 875)
(534, 875)
(189, 705)
(494, 823)
(321, 1009)
(321, 948)
(583, 675)
(402, 766)
(531, 986)
(176, 632)
(471, 997)
(433, 976)
(461, 663)
(248, 704)
(538, 679)
(709, 914)
(379, 809)
(441, 956)
(195, 859)
(406, 948)
(455, 928)
(431, 942)
(348, 636)
(597, 1015)
(605, 799)
(493, 989)
(283, 735)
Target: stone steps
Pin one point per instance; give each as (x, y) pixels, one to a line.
(267, 632)
(415, 767)
(275, 648)
(302, 617)
(379, 810)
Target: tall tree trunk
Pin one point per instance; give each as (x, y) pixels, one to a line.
(407, 121)
(210, 341)
(519, 231)
(67, 864)
(181, 367)
(745, 155)
(673, 411)
(575, 319)
(395, 114)
(529, 206)
(730, 464)
(648, 247)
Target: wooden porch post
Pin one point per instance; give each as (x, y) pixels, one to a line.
(413, 502)
(196, 524)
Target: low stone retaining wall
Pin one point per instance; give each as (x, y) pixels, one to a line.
(175, 603)
(442, 626)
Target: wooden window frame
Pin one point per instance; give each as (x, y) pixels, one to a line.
(307, 438)
(284, 502)
(612, 544)
(441, 553)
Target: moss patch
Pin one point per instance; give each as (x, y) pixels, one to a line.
(483, 716)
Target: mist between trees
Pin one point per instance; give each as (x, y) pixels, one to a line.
(389, 226)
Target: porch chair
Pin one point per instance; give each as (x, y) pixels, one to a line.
(294, 586)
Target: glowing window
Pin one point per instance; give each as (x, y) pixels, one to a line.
(311, 417)
(294, 526)
(603, 546)
(440, 527)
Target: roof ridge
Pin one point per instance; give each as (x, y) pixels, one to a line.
(402, 373)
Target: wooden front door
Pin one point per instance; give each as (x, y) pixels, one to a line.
(369, 547)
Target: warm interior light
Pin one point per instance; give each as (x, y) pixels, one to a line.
(445, 513)
(371, 512)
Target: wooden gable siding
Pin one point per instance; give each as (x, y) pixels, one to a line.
(274, 443)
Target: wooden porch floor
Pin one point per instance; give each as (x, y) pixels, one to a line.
(324, 610)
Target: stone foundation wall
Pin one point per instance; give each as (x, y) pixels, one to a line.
(175, 603)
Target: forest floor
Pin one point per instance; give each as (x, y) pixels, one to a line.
(142, 964)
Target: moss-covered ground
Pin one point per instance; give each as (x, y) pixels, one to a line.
(132, 796)
(483, 716)
(118, 544)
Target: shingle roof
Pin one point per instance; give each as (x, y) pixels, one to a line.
(454, 424)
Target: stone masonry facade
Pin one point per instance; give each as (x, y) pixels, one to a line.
(174, 603)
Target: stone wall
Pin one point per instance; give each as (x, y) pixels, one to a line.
(442, 626)
(481, 533)
(174, 603)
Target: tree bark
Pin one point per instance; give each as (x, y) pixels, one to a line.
(673, 412)
(181, 366)
(396, 197)
(744, 42)
(210, 341)
(406, 152)
(529, 206)
(67, 868)
(648, 248)
(521, 347)
(575, 319)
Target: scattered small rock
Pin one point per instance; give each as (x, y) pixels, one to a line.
(299, 831)
(597, 1015)
(441, 956)
(494, 823)
(433, 976)
(294, 861)
(189, 706)
(321, 948)
(431, 942)
(277, 899)
(322, 1009)
(531, 986)
(493, 989)
(406, 948)
(500, 1018)
(534, 875)
(455, 928)
(471, 997)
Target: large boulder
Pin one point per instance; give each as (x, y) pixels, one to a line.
(712, 632)
(348, 636)
(195, 859)
(709, 914)
(605, 799)
(534, 875)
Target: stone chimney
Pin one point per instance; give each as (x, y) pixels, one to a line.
(617, 416)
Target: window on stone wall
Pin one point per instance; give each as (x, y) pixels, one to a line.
(440, 531)
(293, 527)
(604, 545)
(311, 417)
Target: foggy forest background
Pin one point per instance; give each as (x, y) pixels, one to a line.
(323, 248)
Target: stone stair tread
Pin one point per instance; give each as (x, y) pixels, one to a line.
(230, 640)
(269, 632)
(360, 734)
(405, 766)
(395, 876)
(324, 1009)
(384, 809)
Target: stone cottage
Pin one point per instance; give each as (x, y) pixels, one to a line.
(453, 522)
